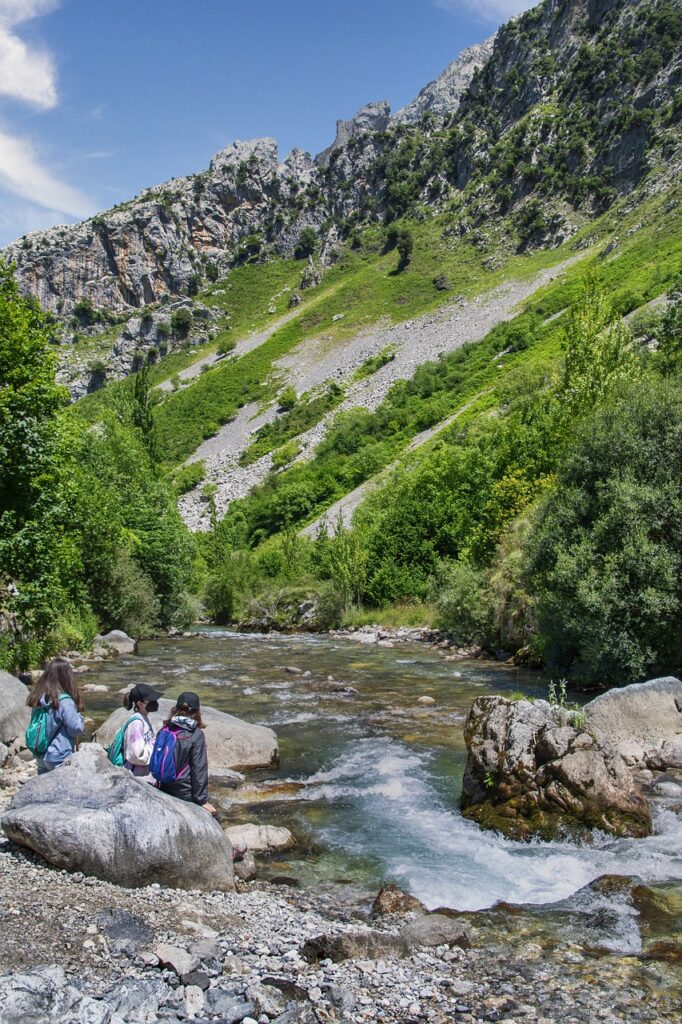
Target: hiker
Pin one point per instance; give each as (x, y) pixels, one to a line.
(133, 744)
(179, 762)
(56, 719)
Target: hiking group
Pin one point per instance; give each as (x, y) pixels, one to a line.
(174, 759)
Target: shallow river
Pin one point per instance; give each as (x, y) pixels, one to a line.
(369, 781)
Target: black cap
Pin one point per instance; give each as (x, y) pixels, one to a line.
(188, 700)
(144, 693)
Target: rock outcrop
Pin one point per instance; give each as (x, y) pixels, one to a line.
(231, 742)
(533, 769)
(91, 817)
(14, 715)
(373, 117)
(442, 96)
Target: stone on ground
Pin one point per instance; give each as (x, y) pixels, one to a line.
(392, 900)
(435, 930)
(232, 743)
(260, 838)
(89, 816)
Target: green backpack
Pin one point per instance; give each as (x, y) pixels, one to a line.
(115, 748)
(37, 737)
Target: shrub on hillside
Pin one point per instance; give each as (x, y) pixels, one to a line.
(604, 559)
(181, 321)
(463, 603)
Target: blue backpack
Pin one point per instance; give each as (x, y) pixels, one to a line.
(163, 764)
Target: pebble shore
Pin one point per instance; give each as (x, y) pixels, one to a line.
(75, 949)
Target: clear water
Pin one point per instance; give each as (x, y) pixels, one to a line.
(369, 781)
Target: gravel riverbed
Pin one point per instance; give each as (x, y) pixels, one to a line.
(82, 951)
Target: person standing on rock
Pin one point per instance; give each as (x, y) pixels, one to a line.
(139, 734)
(180, 762)
(56, 718)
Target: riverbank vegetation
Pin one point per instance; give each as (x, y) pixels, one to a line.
(90, 537)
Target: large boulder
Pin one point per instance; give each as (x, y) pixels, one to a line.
(532, 769)
(232, 743)
(642, 721)
(89, 816)
(14, 715)
(116, 640)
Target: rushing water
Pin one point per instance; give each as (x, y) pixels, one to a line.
(369, 779)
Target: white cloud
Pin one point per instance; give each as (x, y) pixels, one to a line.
(22, 174)
(495, 11)
(26, 73)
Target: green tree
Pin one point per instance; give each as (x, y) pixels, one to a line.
(670, 332)
(604, 557)
(181, 321)
(404, 245)
(598, 356)
(141, 413)
(307, 243)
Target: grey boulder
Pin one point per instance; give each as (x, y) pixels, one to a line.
(532, 769)
(35, 996)
(642, 721)
(14, 715)
(231, 742)
(89, 816)
(117, 640)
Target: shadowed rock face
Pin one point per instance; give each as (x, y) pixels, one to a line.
(530, 770)
(14, 715)
(89, 816)
(231, 742)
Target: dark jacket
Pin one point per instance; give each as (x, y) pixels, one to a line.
(190, 749)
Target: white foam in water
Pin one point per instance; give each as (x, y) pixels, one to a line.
(391, 811)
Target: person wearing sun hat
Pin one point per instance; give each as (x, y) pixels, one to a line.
(139, 735)
(189, 752)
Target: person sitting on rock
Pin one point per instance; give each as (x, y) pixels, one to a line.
(139, 735)
(182, 742)
(56, 719)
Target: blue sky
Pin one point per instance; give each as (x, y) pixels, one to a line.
(101, 98)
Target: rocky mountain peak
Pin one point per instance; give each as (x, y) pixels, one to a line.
(297, 164)
(373, 117)
(265, 151)
(442, 95)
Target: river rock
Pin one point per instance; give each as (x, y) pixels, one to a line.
(260, 838)
(531, 771)
(246, 868)
(642, 721)
(392, 900)
(14, 715)
(232, 743)
(89, 816)
(435, 930)
(175, 958)
(366, 945)
(116, 640)
(35, 996)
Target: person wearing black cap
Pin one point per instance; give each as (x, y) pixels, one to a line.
(191, 759)
(139, 735)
